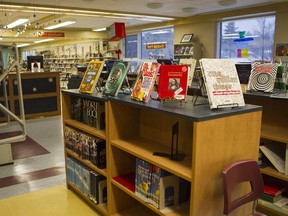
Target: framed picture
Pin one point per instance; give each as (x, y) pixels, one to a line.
(187, 38)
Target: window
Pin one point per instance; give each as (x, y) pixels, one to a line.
(246, 40)
(157, 44)
(131, 44)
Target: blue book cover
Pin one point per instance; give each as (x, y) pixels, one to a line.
(143, 179)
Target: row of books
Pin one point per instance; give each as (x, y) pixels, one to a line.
(173, 79)
(88, 111)
(89, 182)
(159, 187)
(86, 146)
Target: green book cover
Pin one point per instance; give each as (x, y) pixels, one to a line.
(116, 78)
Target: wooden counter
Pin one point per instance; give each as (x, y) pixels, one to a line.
(41, 94)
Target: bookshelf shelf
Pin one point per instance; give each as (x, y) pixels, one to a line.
(86, 162)
(187, 50)
(136, 130)
(143, 148)
(274, 128)
(102, 208)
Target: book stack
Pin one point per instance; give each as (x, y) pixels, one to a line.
(86, 146)
(88, 111)
(275, 197)
(89, 182)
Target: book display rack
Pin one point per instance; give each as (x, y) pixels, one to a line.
(274, 129)
(134, 131)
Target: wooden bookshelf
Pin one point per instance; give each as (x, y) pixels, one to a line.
(207, 138)
(274, 128)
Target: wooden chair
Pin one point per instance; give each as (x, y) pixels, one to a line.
(237, 173)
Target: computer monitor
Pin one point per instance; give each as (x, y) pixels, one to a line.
(34, 63)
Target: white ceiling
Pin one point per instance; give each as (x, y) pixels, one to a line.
(170, 9)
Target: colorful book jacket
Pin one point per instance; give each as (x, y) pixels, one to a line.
(145, 81)
(143, 179)
(91, 77)
(116, 77)
(222, 83)
(173, 82)
(92, 113)
(262, 77)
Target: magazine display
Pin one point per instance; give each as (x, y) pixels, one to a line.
(91, 77)
(116, 77)
(145, 81)
(222, 83)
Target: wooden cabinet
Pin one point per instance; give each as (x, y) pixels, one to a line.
(41, 93)
(209, 139)
(188, 50)
(274, 128)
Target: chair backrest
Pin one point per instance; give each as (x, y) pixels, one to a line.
(240, 172)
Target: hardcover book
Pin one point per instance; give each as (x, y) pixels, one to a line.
(173, 82)
(91, 77)
(222, 83)
(145, 81)
(143, 179)
(262, 77)
(116, 77)
(92, 113)
(191, 64)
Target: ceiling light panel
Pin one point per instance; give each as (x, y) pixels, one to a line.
(59, 25)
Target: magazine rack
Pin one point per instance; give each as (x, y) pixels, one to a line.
(6, 54)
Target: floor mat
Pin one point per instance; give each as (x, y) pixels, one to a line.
(24, 149)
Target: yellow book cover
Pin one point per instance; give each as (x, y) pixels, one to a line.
(91, 76)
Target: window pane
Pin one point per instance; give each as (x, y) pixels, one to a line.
(246, 40)
(131, 46)
(157, 44)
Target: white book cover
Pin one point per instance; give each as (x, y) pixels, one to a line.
(191, 64)
(222, 83)
(275, 154)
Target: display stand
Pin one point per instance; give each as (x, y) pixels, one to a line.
(200, 91)
(6, 53)
(174, 154)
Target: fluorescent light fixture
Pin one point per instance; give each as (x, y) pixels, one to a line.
(1, 38)
(99, 29)
(45, 40)
(17, 22)
(59, 25)
(23, 45)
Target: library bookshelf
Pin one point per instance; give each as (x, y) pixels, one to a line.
(210, 140)
(274, 128)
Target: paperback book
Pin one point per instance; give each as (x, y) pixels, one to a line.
(116, 77)
(173, 82)
(145, 81)
(222, 83)
(91, 77)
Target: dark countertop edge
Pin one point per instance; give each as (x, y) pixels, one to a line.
(186, 110)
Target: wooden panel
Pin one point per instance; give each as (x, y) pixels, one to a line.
(217, 143)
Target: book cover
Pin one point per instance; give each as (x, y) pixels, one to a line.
(275, 154)
(271, 198)
(102, 188)
(273, 189)
(262, 77)
(145, 81)
(91, 76)
(191, 64)
(173, 82)
(98, 152)
(143, 179)
(92, 113)
(76, 108)
(169, 191)
(94, 185)
(222, 83)
(86, 181)
(116, 77)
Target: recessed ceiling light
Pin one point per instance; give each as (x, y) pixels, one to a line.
(154, 5)
(227, 2)
(189, 9)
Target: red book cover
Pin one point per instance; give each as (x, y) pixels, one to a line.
(173, 82)
(273, 190)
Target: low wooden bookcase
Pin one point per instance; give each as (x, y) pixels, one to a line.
(209, 139)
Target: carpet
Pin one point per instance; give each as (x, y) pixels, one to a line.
(26, 148)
